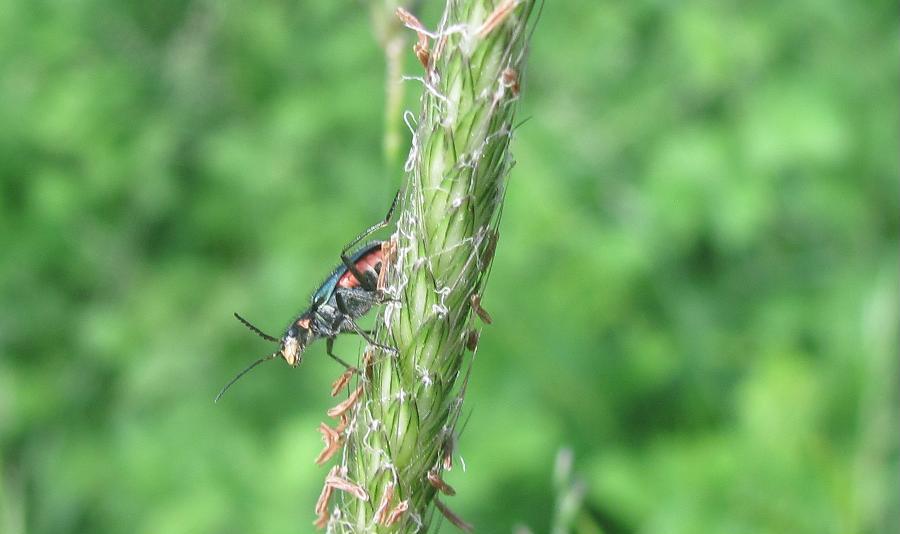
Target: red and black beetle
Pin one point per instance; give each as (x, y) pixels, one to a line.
(347, 294)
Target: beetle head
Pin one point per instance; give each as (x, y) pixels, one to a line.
(295, 340)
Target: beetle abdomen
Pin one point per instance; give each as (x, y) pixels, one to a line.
(367, 265)
(366, 260)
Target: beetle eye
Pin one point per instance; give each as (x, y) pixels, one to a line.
(293, 332)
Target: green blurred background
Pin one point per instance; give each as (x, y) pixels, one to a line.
(695, 289)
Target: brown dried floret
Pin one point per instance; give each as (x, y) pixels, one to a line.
(452, 517)
(481, 312)
(434, 478)
(472, 340)
(421, 46)
(448, 453)
(368, 362)
(322, 504)
(346, 404)
(321, 521)
(487, 255)
(397, 512)
(422, 53)
(510, 78)
(333, 442)
(343, 424)
(409, 20)
(342, 381)
(338, 482)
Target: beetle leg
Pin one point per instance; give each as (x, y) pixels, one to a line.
(367, 332)
(329, 348)
(339, 300)
(369, 338)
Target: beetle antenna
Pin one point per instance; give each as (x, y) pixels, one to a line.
(256, 331)
(245, 371)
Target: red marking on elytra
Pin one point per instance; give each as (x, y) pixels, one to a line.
(303, 323)
(368, 262)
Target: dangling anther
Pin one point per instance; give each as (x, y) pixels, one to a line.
(343, 424)
(346, 404)
(510, 78)
(434, 478)
(342, 381)
(397, 513)
(368, 362)
(421, 46)
(338, 482)
(333, 442)
(472, 340)
(490, 248)
(322, 504)
(452, 517)
(447, 453)
(481, 312)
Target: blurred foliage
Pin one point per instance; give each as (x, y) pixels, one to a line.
(695, 289)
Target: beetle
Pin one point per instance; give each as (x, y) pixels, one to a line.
(347, 294)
